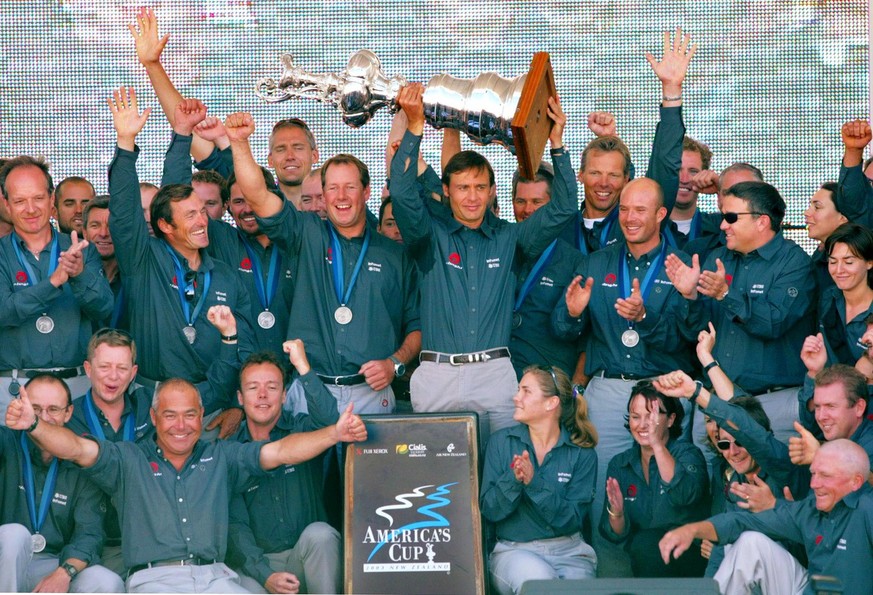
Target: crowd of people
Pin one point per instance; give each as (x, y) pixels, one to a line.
(638, 366)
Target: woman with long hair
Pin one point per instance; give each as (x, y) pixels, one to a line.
(538, 484)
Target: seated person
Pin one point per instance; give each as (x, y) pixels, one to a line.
(538, 484)
(658, 483)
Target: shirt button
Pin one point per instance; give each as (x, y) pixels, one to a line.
(178, 477)
(472, 309)
(190, 555)
(184, 520)
(628, 356)
(181, 500)
(187, 539)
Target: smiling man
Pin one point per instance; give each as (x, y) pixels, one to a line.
(835, 528)
(355, 297)
(292, 153)
(71, 197)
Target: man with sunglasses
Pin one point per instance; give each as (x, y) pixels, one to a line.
(51, 515)
(758, 291)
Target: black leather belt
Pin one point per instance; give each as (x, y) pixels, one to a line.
(459, 359)
(349, 380)
(171, 562)
(625, 377)
(31, 372)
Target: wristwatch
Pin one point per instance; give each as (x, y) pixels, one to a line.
(399, 367)
(70, 569)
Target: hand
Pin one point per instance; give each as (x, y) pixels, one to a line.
(282, 582)
(148, 45)
(211, 129)
(350, 427)
(786, 493)
(239, 126)
(713, 283)
(705, 344)
(227, 421)
(126, 118)
(615, 497)
(188, 114)
(19, 414)
(410, 100)
(601, 123)
(559, 119)
(297, 354)
(676, 384)
(755, 496)
(221, 317)
(705, 182)
(684, 278)
(72, 260)
(676, 542)
(378, 373)
(522, 467)
(673, 67)
(578, 296)
(706, 548)
(632, 308)
(657, 437)
(802, 449)
(814, 354)
(55, 582)
(856, 135)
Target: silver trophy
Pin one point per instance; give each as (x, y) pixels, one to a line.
(488, 108)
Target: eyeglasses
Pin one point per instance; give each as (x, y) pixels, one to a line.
(290, 121)
(726, 444)
(730, 218)
(53, 410)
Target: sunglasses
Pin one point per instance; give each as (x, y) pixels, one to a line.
(552, 374)
(731, 218)
(726, 444)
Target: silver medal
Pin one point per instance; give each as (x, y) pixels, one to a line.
(190, 334)
(266, 319)
(630, 338)
(516, 320)
(38, 542)
(343, 315)
(45, 324)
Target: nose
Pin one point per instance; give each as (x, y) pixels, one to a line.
(724, 226)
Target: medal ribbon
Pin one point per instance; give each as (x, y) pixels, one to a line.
(544, 259)
(180, 279)
(266, 291)
(95, 426)
(606, 228)
(342, 293)
(48, 489)
(53, 262)
(624, 276)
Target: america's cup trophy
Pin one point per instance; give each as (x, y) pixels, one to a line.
(488, 108)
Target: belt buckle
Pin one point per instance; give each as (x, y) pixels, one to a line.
(455, 362)
(627, 379)
(336, 380)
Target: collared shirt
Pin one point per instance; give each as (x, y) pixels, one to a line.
(534, 342)
(706, 224)
(165, 513)
(73, 527)
(272, 513)
(467, 276)
(854, 195)
(666, 333)
(384, 301)
(154, 308)
(557, 499)
(658, 504)
(766, 314)
(74, 307)
(842, 339)
(838, 543)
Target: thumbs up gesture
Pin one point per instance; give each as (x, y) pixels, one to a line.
(801, 449)
(19, 414)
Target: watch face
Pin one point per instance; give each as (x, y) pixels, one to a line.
(400, 369)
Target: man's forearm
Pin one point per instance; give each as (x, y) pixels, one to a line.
(64, 444)
(410, 347)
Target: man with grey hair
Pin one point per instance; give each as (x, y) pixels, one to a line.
(172, 493)
(835, 527)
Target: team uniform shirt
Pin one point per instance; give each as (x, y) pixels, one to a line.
(154, 307)
(74, 525)
(534, 342)
(557, 499)
(665, 334)
(169, 514)
(701, 225)
(838, 543)
(272, 513)
(384, 300)
(765, 316)
(658, 504)
(842, 339)
(467, 277)
(854, 195)
(75, 307)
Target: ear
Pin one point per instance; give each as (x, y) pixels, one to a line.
(315, 156)
(662, 214)
(165, 226)
(239, 398)
(87, 365)
(671, 419)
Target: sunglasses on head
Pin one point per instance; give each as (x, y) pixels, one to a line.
(726, 444)
(731, 217)
(552, 374)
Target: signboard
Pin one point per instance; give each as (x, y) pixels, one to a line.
(412, 523)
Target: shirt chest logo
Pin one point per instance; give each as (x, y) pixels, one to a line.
(374, 267)
(564, 477)
(20, 279)
(455, 261)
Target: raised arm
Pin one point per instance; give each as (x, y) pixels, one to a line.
(239, 127)
(177, 164)
(854, 190)
(57, 440)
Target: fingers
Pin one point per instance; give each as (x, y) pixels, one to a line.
(786, 492)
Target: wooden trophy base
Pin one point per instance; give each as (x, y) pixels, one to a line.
(531, 125)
